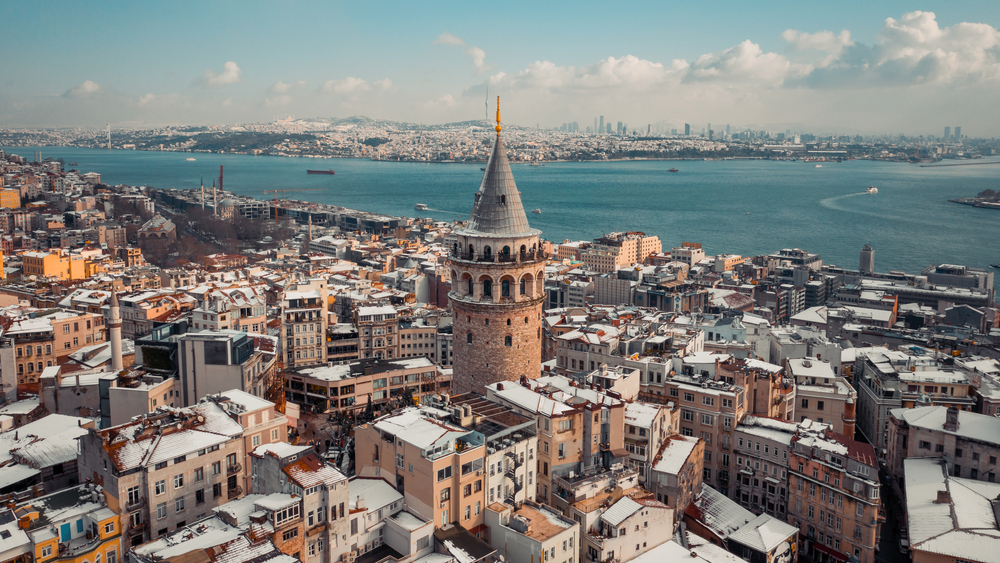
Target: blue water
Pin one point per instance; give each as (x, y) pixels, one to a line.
(740, 207)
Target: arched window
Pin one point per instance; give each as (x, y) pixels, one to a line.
(523, 249)
(505, 252)
(468, 338)
(508, 322)
(455, 249)
(487, 322)
(487, 252)
(525, 320)
(523, 286)
(472, 250)
(507, 340)
(505, 288)
(487, 288)
(503, 200)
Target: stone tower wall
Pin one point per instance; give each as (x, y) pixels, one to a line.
(488, 359)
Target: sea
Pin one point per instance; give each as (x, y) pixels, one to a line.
(746, 207)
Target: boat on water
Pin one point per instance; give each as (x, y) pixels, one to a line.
(538, 211)
(819, 166)
(871, 190)
(73, 164)
(673, 170)
(483, 169)
(189, 159)
(997, 265)
(420, 207)
(330, 171)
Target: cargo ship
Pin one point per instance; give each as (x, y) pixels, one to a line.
(673, 170)
(330, 171)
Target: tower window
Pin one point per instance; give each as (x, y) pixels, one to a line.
(470, 286)
(507, 340)
(523, 285)
(505, 252)
(505, 288)
(508, 322)
(523, 249)
(525, 320)
(487, 288)
(503, 200)
(468, 338)
(487, 252)
(487, 322)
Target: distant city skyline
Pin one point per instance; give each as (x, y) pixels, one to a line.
(862, 68)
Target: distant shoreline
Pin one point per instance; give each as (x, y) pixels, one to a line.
(980, 202)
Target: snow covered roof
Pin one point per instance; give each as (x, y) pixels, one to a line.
(44, 442)
(375, 493)
(674, 452)
(764, 533)
(641, 414)
(529, 400)
(421, 431)
(721, 515)
(963, 525)
(970, 425)
(620, 511)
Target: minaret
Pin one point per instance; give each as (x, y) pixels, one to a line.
(497, 276)
(115, 325)
(202, 193)
(215, 200)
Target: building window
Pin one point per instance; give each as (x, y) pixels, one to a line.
(179, 505)
(160, 487)
(178, 481)
(161, 510)
(507, 340)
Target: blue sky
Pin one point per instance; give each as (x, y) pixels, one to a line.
(838, 66)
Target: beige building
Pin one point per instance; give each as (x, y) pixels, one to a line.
(532, 532)
(676, 473)
(305, 319)
(262, 423)
(821, 395)
(378, 331)
(614, 251)
(436, 465)
(167, 468)
(580, 431)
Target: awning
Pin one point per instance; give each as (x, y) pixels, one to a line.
(619, 452)
(829, 551)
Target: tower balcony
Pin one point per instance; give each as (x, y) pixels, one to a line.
(501, 258)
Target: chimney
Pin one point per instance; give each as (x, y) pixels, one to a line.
(951, 419)
(943, 498)
(499, 386)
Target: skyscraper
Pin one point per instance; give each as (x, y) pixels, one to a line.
(619, 131)
(687, 129)
(601, 129)
(596, 130)
(727, 130)
(497, 273)
(947, 133)
(958, 133)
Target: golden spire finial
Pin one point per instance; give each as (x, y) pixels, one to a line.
(498, 115)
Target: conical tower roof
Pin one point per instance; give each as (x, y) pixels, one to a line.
(498, 209)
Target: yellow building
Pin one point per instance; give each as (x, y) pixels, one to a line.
(10, 198)
(56, 264)
(72, 526)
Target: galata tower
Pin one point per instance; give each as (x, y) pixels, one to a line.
(497, 284)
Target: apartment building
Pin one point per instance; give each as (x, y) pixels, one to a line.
(247, 529)
(647, 427)
(167, 468)
(886, 380)
(280, 468)
(213, 362)
(417, 338)
(834, 494)
(677, 475)
(580, 431)
(626, 528)
(71, 525)
(511, 445)
(532, 532)
(762, 446)
(713, 519)
(262, 423)
(616, 250)
(436, 464)
(304, 318)
(968, 443)
(379, 332)
(33, 342)
(380, 524)
(821, 395)
(139, 310)
(349, 386)
(688, 252)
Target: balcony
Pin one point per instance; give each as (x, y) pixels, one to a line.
(233, 469)
(235, 492)
(136, 528)
(137, 503)
(500, 258)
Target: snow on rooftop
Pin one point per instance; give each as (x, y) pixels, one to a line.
(674, 453)
(641, 414)
(620, 511)
(970, 425)
(412, 426)
(375, 493)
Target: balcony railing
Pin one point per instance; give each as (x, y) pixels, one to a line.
(136, 528)
(235, 468)
(137, 503)
(235, 492)
(500, 258)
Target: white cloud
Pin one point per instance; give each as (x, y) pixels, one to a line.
(228, 102)
(86, 88)
(448, 39)
(345, 86)
(278, 101)
(477, 55)
(746, 62)
(384, 84)
(281, 86)
(230, 74)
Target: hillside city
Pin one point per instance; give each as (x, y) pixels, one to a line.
(200, 376)
(362, 137)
